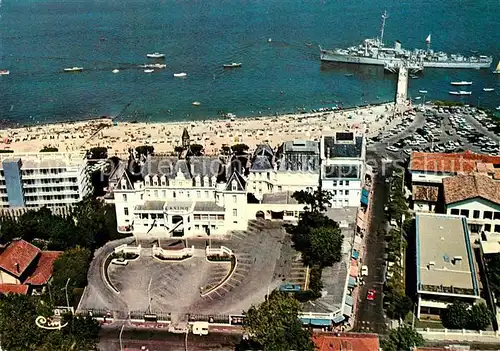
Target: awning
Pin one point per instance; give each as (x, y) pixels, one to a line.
(365, 192)
(352, 282)
(349, 300)
(347, 310)
(355, 254)
(364, 196)
(305, 321)
(338, 319)
(321, 322)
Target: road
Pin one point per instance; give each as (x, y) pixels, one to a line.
(370, 315)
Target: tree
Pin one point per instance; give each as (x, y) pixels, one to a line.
(195, 150)
(480, 317)
(456, 315)
(49, 149)
(317, 201)
(325, 246)
(225, 150)
(240, 149)
(178, 149)
(73, 264)
(98, 153)
(402, 338)
(275, 325)
(145, 150)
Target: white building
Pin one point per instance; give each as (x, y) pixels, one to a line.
(343, 167)
(181, 198)
(295, 167)
(50, 179)
(445, 267)
(477, 198)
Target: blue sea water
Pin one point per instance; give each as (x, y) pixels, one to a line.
(38, 38)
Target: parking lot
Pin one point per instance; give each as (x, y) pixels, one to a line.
(438, 129)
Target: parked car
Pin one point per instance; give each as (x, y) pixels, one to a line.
(364, 271)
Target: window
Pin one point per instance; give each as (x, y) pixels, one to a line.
(464, 213)
(334, 183)
(476, 214)
(164, 193)
(198, 194)
(341, 192)
(196, 227)
(487, 215)
(234, 198)
(197, 217)
(235, 213)
(220, 217)
(173, 194)
(156, 193)
(279, 188)
(497, 228)
(124, 197)
(347, 192)
(341, 182)
(487, 227)
(206, 193)
(346, 183)
(268, 176)
(455, 211)
(496, 215)
(125, 210)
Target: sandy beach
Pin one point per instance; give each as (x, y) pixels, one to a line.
(118, 137)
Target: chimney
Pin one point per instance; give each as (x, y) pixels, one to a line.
(17, 267)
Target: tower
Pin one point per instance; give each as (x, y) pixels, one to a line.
(185, 139)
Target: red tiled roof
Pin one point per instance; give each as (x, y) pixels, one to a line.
(44, 267)
(463, 187)
(346, 342)
(425, 193)
(17, 257)
(13, 289)
(452, 163)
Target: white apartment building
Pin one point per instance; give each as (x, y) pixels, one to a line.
(50, 179)
(294, 167)
(343, 167)
(476, 197)
(181, 198)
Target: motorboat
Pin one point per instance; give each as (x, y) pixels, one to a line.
(413, 77)
(115, 70)
(418, 98)
(149, 70)
(156, 55)
(73, 69)
(232, 65)
(196, 103)
(461, 92)
(498, 108)
(154, 65)
(349, 75)
(488, 89)
(463, 82)
(422, 91)
(4, 72)
(180, 75)
(497, 69)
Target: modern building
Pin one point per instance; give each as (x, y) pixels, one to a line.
(24, 268)
(445, 266)
(476, 197)
(343, 167)
(50, 179)
(294, 167)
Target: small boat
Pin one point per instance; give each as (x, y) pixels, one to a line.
(413, 77)
(422, 91)
(418, 98)
(488, 89)
(232, 65)
(461, 92)
(269, 40)
(4, 72)
(498, 108)
(115, 70)
(497, 69)
(309, 44)
(349, 74)
(154, 65)
(156, 55)
(73, 69)
(196, 103)
(461, 83)
(149, 70)
(180, 75)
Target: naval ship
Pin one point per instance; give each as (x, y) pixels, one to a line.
(373, 52)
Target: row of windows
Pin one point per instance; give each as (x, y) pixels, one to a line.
(43, 171)
(341, 183)
(174, 194)
(51, 189)
(340, 192)
(51, 197)
(50, 181)
(196, 217)
(487, 228)
(476, 214)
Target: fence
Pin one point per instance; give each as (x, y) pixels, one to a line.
(173, 254)
(451, 333)
(218, 252)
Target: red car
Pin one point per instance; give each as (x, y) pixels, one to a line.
(371, 295)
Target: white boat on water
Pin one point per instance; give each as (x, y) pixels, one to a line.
(498, 108)
(462, 82)
(488, 89)
(418, 98)
(232, 65)
(422, 91)
(154, 65)
(196, 103)
(4, 72)
(149, 70)
(73, 69)
(461, 92)
(180, 75)
(497, 69)
(115, 70)
(155, 55)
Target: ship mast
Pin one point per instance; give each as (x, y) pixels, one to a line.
(384, 17)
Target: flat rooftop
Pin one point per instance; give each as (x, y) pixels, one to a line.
(45, 159)
(444, 255)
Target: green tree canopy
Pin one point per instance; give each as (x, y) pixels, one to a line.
(325, 246)
(461, 315)
(317, 201)
(225, 150)
(145, 150)
(275, 325)
(240, 149)
(402, 338)
(195, 150)
(49, 149)
(98, 152)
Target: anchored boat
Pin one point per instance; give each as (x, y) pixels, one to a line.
(232, 65)
(156, 55)
(461, 83)
(73, 69)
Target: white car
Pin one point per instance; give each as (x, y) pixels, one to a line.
(392, 148)
(364, 271)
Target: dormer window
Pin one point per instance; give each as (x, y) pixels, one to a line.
(233, 185)
(147, 180)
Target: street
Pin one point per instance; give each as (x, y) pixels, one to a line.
(370, 315)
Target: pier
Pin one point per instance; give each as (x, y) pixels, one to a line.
(402, 90)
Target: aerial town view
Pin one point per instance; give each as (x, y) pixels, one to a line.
(227, 175)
